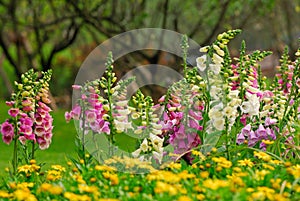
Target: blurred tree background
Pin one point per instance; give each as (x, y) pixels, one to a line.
(59, 34)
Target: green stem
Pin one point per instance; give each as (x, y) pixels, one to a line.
(110, 103)
(82, 135)
(226, 138)
(32, 150)
(15, 156)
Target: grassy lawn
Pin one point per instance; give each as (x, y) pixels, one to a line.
(63, 141)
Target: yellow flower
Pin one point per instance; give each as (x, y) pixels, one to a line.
(44, 187)
(276, 162)
(4, 194)
(32, 161)
(174, 165)
(184, 198)
(112, 177)
(25, 185)
(235, 180)
(196, 153)
(222, 162)
(297, 188)
(267, 166)
(105, 168)
(268, 142)
(237, 169)
(204, 174)
(265, 193)
(162, 187)
(219, 168)
(246, 162)
(58, 168)
(55, 190)
(214, 184)
(27, 169)
(93, 180)
(200, 197)
(88, 189)
(79, 178)
(294, 170)
(185, 175)
(75, 197)
(276, 183)
(249, 190)
(262, 155)
(24, 195)
(260, 175)
(53, 175)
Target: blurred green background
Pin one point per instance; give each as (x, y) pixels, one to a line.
(59, 34)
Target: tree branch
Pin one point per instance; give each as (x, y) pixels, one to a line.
(217, 25)
(72, 32)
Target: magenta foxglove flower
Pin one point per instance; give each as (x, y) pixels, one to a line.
(194, 124)
(100, 126)
(13, 112)
(28, 137)
(7, 128)
(243, 119)
(7, 139)
(10, 103)
(75, 113)
(27, 108)
(39, 131)
(26, 121)
(196, 115)
(25, 129)
(44, 107)
(193, 140)
(76, 87)
(91, 115)
(43, 143)
(22, 139)
(68, 117)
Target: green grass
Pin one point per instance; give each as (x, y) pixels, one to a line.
(63, 142)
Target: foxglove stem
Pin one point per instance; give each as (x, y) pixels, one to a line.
(83, 133)
(32, 150)
(15, 156)
(226, 138)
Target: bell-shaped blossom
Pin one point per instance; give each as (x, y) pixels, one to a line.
(261, 132)
(246, 130)
(13, 112)
(201, 63)
(270, 121)
(144, 146)
(156, 142)
(7, 128)
(240, 139)
(252, 139)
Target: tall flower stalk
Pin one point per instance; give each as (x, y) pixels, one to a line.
(30, 122)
